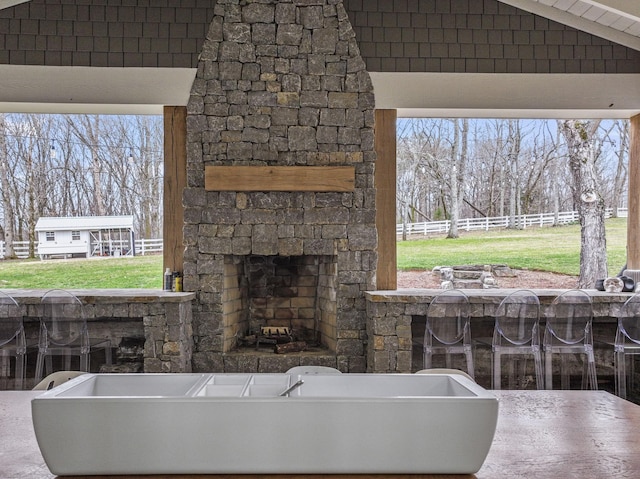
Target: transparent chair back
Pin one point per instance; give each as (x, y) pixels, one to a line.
(13, 346)
(448, 329)
(568, 332)
(64, 333)
(516, 333)
(627, 342)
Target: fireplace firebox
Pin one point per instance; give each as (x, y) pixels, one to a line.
(270, 291)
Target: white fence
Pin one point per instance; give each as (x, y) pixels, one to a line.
(474, 224)
(143, 247)
(148, 246)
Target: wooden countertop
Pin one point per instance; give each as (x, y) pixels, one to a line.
(540, 435)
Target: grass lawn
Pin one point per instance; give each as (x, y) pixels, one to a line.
(555, 249)
(94, 273)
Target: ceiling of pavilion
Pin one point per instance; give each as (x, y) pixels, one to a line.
(615, 20)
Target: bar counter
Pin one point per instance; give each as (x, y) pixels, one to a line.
(540, 435)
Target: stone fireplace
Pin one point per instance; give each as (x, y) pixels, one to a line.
(281, 103)
(296, 292)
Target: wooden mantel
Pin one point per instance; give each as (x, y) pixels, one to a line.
(279, 178)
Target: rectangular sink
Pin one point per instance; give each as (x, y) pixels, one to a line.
(133, 385)
(385, 386)
(240, 424)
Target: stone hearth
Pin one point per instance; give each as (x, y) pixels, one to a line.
(280, 83)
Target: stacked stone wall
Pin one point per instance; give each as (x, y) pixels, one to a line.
(280, 83)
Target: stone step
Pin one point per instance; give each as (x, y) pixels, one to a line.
(467, 284)
(462, 274)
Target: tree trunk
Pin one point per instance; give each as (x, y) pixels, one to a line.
(555, 194)
(32, 216)
(514, 153)
(453, 180)
(588, 199)
(9, 216)
(458, 161)
(620, 179)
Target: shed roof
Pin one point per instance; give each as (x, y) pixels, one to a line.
(54, 223)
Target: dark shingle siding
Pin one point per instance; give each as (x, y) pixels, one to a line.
(480, 36)
(402, 35)
(105, 33)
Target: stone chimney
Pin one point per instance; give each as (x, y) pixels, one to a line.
(280, 84)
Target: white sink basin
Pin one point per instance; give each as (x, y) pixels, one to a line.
(239, 424)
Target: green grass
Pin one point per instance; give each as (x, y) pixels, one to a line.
(542, 249)
(95, 273)
(555, 249)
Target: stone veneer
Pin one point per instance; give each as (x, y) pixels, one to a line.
(161, 319)
(279, 83)
(393, 348)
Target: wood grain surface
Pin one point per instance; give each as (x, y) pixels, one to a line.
(279, 178)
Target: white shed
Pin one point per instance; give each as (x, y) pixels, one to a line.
(85, 235)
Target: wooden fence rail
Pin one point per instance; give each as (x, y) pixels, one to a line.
(474, 224)
(143, 247)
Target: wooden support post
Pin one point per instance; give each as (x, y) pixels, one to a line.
(385, 181)
(175, 180)
(633, 219)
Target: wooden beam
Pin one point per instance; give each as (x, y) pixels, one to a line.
(279, 178)
(633, 219)
(175, 181)
(385, 181)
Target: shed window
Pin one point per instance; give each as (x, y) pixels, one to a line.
(50, 235)
(75, 236)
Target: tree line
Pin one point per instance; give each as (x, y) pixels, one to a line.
(512, 167)
(79, 165)
(83, 165)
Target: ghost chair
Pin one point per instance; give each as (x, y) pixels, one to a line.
(448, 329)
(568, 334)
(627, 343)
(56, 379)
(444, 371)
(64, 332)
(13, 345)
(516, 335)
(313, 370)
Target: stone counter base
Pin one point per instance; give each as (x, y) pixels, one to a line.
(391, 316)
(162, 318)
(252, 361)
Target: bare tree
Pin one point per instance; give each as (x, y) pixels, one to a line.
(580, 137)
(459, 151)
(538, 155)
(620, 179)
(489, 152)
(420, 175)
(87, 130)
(513, 154)
(416, 194)
(9, 214)
(53, 165)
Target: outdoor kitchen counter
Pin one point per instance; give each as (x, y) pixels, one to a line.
(161, 318)
(390, 315)
(540, 435)
(485, 301)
